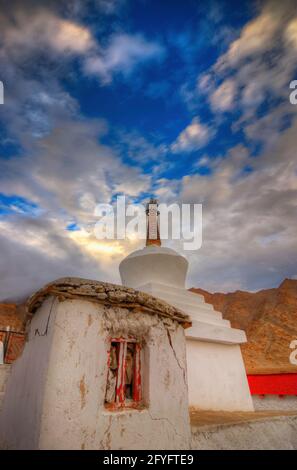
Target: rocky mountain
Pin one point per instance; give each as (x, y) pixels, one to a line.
(269, 318)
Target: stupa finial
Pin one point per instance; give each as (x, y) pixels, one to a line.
(152, 234)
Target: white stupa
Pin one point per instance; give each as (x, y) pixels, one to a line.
(216, 373)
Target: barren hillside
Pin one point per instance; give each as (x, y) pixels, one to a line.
(269, 318)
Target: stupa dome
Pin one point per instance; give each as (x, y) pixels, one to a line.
(154, 264)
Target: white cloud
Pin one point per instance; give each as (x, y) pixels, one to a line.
(37, 251)
(249, 220)
(67, 173)
(204, 82)
(257, 66)
(222, 99)
(24, 34)
(63, 168)
(46, 29)
(255, 38)
(70, 170)
(122, 54)
(193, 137)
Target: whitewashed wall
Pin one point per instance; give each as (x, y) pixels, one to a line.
(20, 416)
(55, 395)
(4, 374)
(217, 377)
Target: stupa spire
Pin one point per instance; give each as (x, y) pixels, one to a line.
(153, 233)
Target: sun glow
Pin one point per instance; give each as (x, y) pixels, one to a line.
(94, 247)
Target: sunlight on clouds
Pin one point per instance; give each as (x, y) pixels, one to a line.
(131, 236)
(71, 37)
(291, 33)
(95, 247)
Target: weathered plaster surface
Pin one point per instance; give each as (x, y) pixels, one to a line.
(4, 374)
(74, 416)
(55, 395)
(22, 405)
(267, 434)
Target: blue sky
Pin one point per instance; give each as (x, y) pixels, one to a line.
(186, 101)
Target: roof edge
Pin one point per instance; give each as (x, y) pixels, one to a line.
(105, 293)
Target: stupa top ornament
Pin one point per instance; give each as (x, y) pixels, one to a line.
(153, 232)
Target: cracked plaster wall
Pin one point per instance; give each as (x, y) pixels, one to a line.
(70, 387)
(20, 416)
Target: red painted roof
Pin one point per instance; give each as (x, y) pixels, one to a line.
(273, 384)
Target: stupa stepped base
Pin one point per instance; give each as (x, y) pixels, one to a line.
(207, 323)
(216, 373)
(215, 333)
(182, 296)
(180, 291)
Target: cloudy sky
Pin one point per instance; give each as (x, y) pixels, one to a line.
(186, 101)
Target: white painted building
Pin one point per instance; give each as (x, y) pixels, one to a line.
(73, 387)
(216, 372)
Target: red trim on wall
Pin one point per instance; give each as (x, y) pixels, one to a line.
(137, 374)
(273, 384)
(120, 389)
